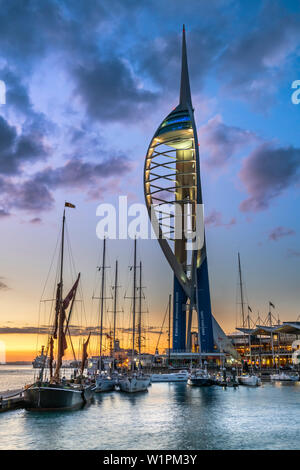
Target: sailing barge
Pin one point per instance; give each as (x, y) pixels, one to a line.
(57, 393)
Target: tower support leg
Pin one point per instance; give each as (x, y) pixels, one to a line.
(179, 317)
(203, 303)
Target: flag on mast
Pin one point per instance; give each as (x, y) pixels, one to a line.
(271, 305)
(69, 204)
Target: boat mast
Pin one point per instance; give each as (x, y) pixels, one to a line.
(241, 291)
(249, 336)
(115, 312)
(60, 349)
(134, 306)
(140, 313)
(169, 336)
(102, 302)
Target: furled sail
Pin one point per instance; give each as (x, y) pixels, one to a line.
(71, 294)
(51, 356)
(57, 309)
(84, 353)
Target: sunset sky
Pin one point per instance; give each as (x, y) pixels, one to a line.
(87, 85)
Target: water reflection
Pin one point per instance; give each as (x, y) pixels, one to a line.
(169, 416)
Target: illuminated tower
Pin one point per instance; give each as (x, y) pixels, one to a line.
(172, 177)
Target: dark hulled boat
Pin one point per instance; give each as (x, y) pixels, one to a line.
(57, 393)
(51, 397)
(200, 378)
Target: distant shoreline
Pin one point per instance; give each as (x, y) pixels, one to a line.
(17, 363)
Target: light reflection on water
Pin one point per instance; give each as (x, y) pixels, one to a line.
(169, 416)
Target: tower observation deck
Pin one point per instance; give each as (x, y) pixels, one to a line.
(173, 195)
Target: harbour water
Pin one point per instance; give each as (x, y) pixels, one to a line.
(169, 416)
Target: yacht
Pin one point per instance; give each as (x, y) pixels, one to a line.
(103, 383)
(135, 381)
(181, 376)
(56, 393)
(200, 378)
(249, 380)
(285, 377)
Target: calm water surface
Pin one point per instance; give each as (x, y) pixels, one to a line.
(169, 416)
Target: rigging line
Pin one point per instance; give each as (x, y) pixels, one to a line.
(80, 287)
(160, 333)
(52, 261)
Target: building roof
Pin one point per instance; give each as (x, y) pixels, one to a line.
(292, 328)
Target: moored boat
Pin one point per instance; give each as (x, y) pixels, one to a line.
(134, 383)
(181, 376)
(249, 380)
(200, 378)
(103, 383)
(284, 377)
(57, 393)
(43, 396)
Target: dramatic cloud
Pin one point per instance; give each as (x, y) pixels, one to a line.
(280, 232)
(3, 213)
(255, 61)
(3, 286)
(17, 149)
(109, 91)
(36, 194)
(267, 172)
(74, 330)
(160, 57)
(78, 174)
(36, 220)
(215, 219)
(293, 253)
(30, 196)
(221, 142)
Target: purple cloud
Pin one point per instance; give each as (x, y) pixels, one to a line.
(36, 220)
(221, 142)
(82, 175)
(255, 61)
(3, 286)
(266, 173)
(215, 219)
(36, 193)
(293, 253)
(280, 232)
(4, 213)
(16, 149)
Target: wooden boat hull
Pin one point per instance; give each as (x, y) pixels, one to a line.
(56, 398)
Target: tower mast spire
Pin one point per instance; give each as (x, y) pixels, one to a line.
(185, 90)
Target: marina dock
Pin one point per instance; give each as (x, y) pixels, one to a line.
(11, 400)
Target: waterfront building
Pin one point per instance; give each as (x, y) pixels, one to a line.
(269, 346)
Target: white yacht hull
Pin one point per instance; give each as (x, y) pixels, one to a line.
(171, 377)
(134, 384)
(249, 380)
(284, 377)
